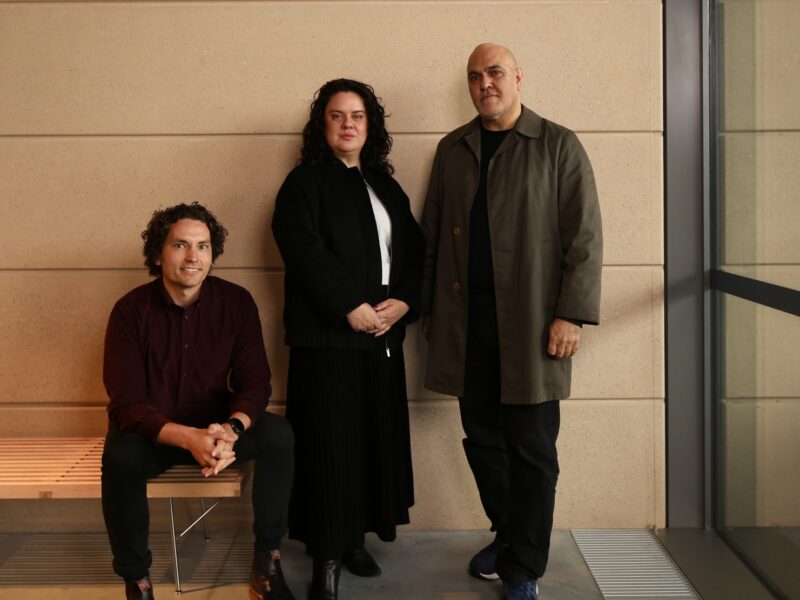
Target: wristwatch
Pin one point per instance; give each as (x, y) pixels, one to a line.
(236, 425)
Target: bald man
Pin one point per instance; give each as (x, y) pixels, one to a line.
(512, 272)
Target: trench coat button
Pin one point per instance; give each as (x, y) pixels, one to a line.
(456, 285)
(456, 230)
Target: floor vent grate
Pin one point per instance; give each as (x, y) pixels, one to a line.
(631, 564)
(793, 533)
(85, 558)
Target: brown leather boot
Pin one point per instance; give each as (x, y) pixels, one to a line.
(139, 589)
(266, 577)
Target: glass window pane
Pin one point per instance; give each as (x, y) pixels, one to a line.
(759, 439)
(758, 67)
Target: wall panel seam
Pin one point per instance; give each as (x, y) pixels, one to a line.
(416, 401)
(454, 401)
(290, 2)
(154, 135)
(218, 269)
(269, 270)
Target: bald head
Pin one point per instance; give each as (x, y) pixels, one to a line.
(501, 52)
(495, 81)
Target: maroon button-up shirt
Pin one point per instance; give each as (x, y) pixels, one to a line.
(192, 366)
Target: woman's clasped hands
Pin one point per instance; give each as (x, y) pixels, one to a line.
(377, 320)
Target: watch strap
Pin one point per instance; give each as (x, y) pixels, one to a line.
(236, 425)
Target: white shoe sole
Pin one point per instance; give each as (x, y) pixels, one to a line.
(484, 576)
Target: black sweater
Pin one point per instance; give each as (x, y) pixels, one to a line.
(328, 238)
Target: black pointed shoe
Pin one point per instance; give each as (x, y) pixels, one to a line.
(266, 577)
(325, 580)
(139, 589)
(360, 562)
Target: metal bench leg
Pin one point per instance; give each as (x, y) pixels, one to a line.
(205, 519)
(203, 516)
(174, 549)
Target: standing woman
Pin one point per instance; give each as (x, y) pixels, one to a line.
(353, 254)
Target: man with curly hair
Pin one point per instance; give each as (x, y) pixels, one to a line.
(188, 380)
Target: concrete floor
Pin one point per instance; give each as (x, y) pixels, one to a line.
(418, 566)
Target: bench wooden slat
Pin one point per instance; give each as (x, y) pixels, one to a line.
(32, 468)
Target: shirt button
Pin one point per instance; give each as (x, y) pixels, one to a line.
(186, 346)
(186, 317)
(456, 230)
(456, 285)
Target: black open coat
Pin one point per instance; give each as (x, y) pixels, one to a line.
(327, 235)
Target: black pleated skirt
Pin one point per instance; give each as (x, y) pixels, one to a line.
(353, 472)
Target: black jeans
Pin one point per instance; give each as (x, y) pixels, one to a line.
(129, 460)
(511, 450)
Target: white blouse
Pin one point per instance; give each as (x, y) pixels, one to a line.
(384, 233)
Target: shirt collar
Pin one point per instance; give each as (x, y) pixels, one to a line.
(169, 302)
(529, 124)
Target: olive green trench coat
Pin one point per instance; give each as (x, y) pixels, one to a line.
(546, 240)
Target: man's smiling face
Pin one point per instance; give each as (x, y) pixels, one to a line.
(186, 257)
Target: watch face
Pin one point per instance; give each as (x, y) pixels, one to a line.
(236, 425)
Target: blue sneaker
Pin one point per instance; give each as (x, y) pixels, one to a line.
(521, 590)
(482, 564)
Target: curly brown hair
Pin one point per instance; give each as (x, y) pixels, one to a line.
(376, 149)
(161, 222)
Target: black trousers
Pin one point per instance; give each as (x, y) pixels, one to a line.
(129, 460)
(511, 450)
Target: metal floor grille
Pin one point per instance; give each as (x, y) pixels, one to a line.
(73, 559)
(793, 533)
(631, 564)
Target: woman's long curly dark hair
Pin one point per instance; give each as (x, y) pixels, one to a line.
(160, 224)
(374, 154)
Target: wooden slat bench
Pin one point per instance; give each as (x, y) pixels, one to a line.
(52, 468)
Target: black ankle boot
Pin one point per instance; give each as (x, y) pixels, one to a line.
(325, 580)
(140, 589)
(360, 562)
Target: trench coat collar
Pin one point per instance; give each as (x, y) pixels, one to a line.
(528, 125)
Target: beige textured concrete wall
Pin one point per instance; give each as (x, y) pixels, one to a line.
(113, 109)
(760, 140)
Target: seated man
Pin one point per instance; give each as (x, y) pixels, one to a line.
(188, 381)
